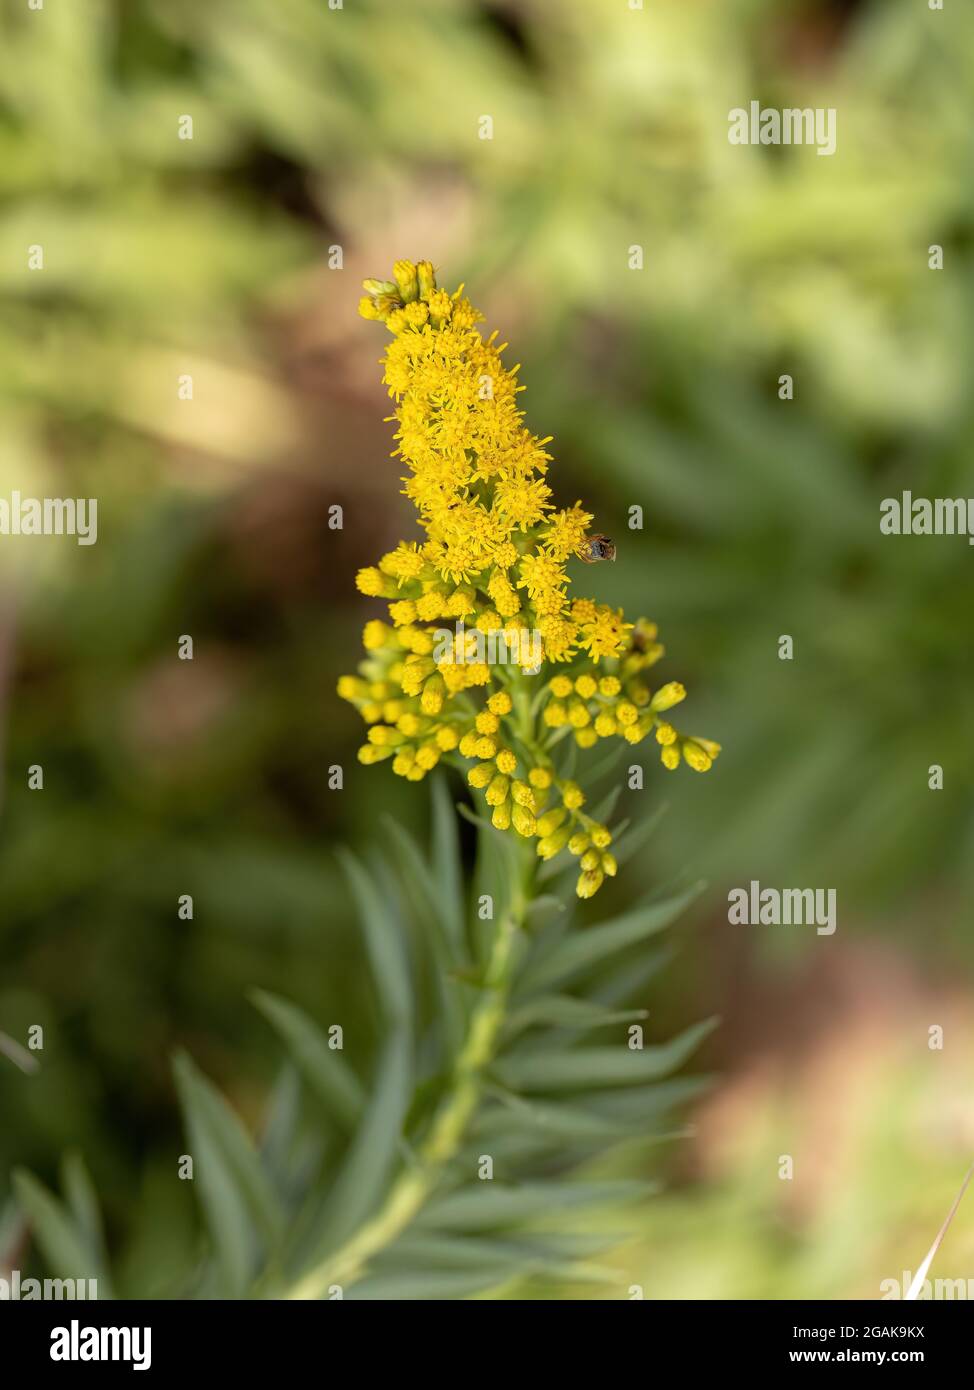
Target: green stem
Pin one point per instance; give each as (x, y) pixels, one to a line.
(417, 1184)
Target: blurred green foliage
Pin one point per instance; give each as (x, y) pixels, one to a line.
(358, 128)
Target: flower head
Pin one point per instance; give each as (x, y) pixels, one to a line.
(492, 562)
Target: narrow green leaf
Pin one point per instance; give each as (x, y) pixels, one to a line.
(495, 1205)
(564, 1011)
(642, 1105)
(433, 1252)
(637, 836)
(372, 1155)
(447, 867)
(322, 1067)
(546, 905)
(82, 1200)
(59, 1235)
(383, 939)
(628, 980)
(576, 1068)
(235, 1192)
(280, 1127)
(515, 1114)
(603, 810)
(568, 958)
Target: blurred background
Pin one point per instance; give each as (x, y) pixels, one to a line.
(326, 143)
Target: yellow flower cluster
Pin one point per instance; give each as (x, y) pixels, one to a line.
(493, 565)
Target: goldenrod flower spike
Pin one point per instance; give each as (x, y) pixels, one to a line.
(480, 606)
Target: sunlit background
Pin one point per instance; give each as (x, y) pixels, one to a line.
(357, 128)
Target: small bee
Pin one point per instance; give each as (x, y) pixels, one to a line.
(595, 548)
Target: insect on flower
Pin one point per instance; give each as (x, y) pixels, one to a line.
(596, 548)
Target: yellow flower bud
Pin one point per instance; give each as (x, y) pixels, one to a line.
(426, 278)
(380, 287)
(480, 775)
(551, 820)
(500, 703)
(589, 883)
(572, 795)
(552, 844)
(407, 281)
(609, 866)
(447, 737)
(696, 756)
(585, 738)
(501, 818)
(498, 789)
(402, 612)
(586, 686)
(523, 821)
(561, 687)
(670, 756)
(523, 794)
(578, 843)
(432, 697)
(578, 715)
(540, 777)
(487, 722)
(555, 714)
(384, 737)
(667, 696)
(375, 635)
(609, 686)
(371, 582)
(601, 837)
(708, 745)
(506, 761)
(351, 688)
(665, 734)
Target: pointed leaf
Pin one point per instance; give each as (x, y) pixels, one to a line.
(576, 1068)
(322, 1067)
(390, 966)
(493, 1205)
(580, 951)
(372, 1155)
(447, 866)
(65, 1245)
(234, 1190)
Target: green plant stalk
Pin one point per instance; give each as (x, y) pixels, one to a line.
(417, 1184)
